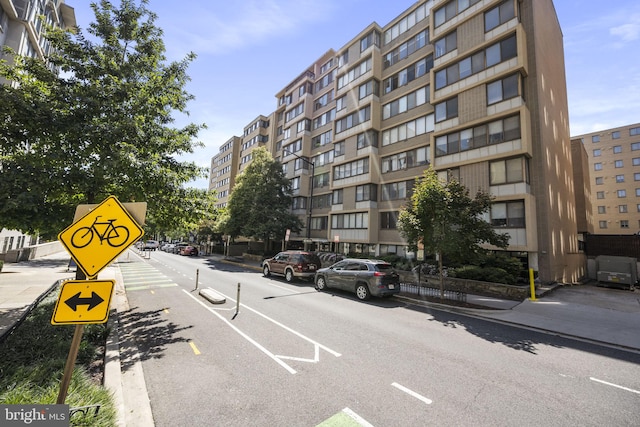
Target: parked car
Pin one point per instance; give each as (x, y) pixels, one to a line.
(365, 277)
(292, 264)
(151, 245)
(189, 250)
(177, 248)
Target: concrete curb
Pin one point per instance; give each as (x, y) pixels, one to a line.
(212, 296)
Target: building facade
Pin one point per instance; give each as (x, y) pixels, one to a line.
(614, 178)
(22, 31)
(474, 89)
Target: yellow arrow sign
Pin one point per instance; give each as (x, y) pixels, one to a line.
(83, 301)
(97, 238)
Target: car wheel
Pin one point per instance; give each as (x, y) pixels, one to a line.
(321, 283)
(288, 275)
(265, 271)
(362, 291)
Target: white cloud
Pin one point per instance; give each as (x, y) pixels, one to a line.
(628, 32)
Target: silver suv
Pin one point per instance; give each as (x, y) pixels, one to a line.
(365, 277)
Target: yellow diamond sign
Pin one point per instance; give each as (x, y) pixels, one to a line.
(97, 238)
(83, 301)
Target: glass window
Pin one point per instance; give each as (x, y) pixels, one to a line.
(602, 224)
(619, 178)
(619, 164)
(595, 138)
(622, 193)
(599, 180)
(600, 195)
(597, 166)
(622, 208)
(597, 152)
(615, 134)
(617, 149)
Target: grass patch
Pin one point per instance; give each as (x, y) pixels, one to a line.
(32, 363)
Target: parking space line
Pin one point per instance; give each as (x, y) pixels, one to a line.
(194, 348)
(412, 393)
(245, 336)
(614, 385)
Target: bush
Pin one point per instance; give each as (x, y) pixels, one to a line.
(484, 274)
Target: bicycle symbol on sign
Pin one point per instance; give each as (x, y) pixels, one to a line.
(115, 235)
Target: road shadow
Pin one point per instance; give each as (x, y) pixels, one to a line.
(515, 337)
(145, 335)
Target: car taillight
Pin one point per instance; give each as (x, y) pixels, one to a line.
(377, 273)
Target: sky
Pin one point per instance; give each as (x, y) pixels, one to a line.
(244, 56)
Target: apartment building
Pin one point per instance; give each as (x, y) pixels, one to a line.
(614, 178)
(474, 88)
(21, 30)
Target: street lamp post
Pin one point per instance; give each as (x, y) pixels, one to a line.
(310, 208)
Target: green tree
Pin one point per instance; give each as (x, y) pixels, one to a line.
(103, 126)
(447, 222)
(260, 204)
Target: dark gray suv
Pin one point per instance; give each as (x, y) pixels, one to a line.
(365, 277)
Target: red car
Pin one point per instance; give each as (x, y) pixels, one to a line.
(189, 250)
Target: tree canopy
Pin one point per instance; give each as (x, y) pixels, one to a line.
(260, 204)
(447, 221)
(101, 126)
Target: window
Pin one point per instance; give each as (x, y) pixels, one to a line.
(595, 138)
(366, 192)
(354, 73)
(294, 112)
(319, 223)
(634, 131)
(602, 209)
(622, 208)
(372, 87)
(341, 103)
(446, 44)
(397, 190)
(367, 139)
(409, 74)
(337, 197)
(299, 203)
(358, 167)
(408, 130)
(446, 110)
(602, 224)
(502, 89)
(507, 171)
(635, 146)
(388, 220)
(322, 139)
(406, 23)
(451, 9)
(496, 132)
(619, 178)
(597, 166)
(350, 221)
(322, 201)
(371, 39)
(295, 183)
(353, 119)
(617, 149)
(597, 152)
(508, 214)
(619, 164)
(600, 195)
(599, 180)
(324, 100)
(406, 103)
(406, 49)
(405, 160)
(635, 161)
(622, 194)
(493, 55)
(615, 134)
(624, 223)
(338, 149)
(321, 180)
(498, 15)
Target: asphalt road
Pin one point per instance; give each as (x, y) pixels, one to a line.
(288, 355)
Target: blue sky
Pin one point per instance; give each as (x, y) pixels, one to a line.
(244, 50)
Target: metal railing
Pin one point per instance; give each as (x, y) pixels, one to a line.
(426, 291)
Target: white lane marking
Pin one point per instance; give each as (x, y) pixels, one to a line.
(242, 334)
(357, 418)
(614, 385)
(315, 343)
(412, 393)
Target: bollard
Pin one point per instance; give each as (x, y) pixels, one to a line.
(238, 301)
(532, 284)
(197, 275)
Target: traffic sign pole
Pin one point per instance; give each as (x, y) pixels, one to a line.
(70, 364)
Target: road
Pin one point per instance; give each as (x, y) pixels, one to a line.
(287, 355)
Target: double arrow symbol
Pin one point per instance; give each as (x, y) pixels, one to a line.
(76, 300)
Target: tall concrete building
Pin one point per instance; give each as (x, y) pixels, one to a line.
(22, 31)
(614, 178)
(474, 88)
